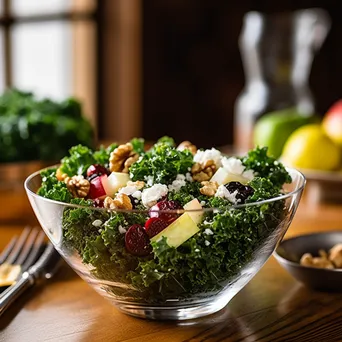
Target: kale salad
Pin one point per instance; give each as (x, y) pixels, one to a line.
(168, 221)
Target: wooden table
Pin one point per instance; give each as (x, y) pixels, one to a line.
(272, 307)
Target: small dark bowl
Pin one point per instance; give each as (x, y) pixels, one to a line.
(290, 251)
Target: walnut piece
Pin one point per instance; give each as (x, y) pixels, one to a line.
(60, 175)
(187, 145)
(209, 188)
(320, 262)
(335, 255)
(122, 158)
(129, 161)
(138, 184)
(121, 201)
(203, 172)
(78, 186)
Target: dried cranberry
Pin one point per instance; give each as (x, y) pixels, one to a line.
(154, 226)
(98, 203)
(97, 169)
(137, 241)
(164, 206)
(133, 199)
(243, 191)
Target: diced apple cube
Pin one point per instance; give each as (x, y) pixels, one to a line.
(178, 231)
(114, 182)
(195, 215)
(222, 176)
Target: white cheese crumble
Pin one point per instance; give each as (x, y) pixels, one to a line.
(137, 194)
(197, 250)
(128, 190)
(235, 166)
(203, 156)
(188, 177)
(149, 180)
(97, 223)
(207, 243)
(203, 203)
(223, 192)
(151, 195)
(208, 231)
(121, 230)
(177, 183)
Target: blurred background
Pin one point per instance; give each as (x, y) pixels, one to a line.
(148, 68)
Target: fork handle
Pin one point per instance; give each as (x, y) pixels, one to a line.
(14, 291)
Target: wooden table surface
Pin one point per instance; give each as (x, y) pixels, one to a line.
(272, 307)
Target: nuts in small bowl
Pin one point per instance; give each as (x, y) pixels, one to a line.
(314, 259)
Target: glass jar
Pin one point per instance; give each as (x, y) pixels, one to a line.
(277, 52)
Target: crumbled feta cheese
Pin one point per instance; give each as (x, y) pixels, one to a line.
(97, 223)
(149, 180)
(188, 177)
(203, 156)
(151, 195)
(235, 166)
(223, 192)
(203, 203)
(207, 243)
(128, 190)
(197, 250)
(121, 230)
(137, 194)
(208, 231)
(177, 183)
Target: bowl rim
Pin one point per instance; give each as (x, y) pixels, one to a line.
(178, 211)
(283, 260)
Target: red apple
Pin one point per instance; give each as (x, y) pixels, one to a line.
(332, 123)
(97, 189)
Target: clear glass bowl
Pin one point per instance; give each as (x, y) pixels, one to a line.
(186, 290)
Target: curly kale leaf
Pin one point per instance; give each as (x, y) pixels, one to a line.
(266, 167)
(166, 141)
(52, 188)
(186, 193)
(81, 157)
(163, 163)
(102, 155)
(138, 145)
(263, 189)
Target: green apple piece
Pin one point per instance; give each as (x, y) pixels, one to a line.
(178, 231)
(115, 181)
(222, 176)
(194, 205)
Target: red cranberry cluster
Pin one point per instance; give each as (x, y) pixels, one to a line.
(137, 238)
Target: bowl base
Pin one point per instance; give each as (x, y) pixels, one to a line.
(185, 312)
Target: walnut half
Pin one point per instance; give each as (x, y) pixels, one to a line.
(78, 186)
(209, 188)
(187, 145)
(203, 172)
(122, 158)
(121, 201)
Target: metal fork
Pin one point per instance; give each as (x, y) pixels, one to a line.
(19, 254)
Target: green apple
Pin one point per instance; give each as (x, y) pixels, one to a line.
(197, 214)
(273, 129)
(178, 231)
(222, 176)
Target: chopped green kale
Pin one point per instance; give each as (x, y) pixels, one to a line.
(52, 188)
(266, 166)
(163, 163)
(81, 157)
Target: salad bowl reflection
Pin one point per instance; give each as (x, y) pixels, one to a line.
(197, 278)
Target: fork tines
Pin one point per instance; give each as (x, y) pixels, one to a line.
(21, 251)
